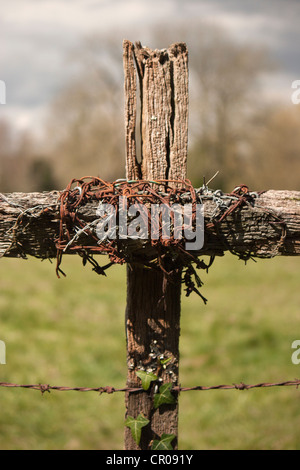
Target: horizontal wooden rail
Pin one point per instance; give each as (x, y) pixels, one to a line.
(29, 225)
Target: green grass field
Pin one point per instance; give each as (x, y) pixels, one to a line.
(70, 332)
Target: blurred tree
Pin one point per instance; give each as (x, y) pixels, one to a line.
(42, 174)
(6, 138)
(276, 151)
(12, 167)
(226, 101)
(21, 167)
(85, 125)
(6, 141)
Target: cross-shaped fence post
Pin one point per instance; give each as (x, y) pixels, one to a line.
(55, 223)
(160, 79)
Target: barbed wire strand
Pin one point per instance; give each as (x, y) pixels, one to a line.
(108, 389)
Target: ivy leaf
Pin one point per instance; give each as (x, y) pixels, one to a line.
(164, 396)
(165, 361)
(136, 426)
(146, 378)
(164, 443)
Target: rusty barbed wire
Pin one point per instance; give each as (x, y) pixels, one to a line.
(77, 233)
(108, 389)
(84, 190)
(80, 191)
(87, 189)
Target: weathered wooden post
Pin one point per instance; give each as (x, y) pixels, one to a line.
(153, 299)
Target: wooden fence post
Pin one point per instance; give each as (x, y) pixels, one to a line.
(153, 298)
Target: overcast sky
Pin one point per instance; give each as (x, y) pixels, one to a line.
(37, 35)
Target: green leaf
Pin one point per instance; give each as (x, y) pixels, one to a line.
(146, 378)
(164, 396)
(164, 443)
(136, 426)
